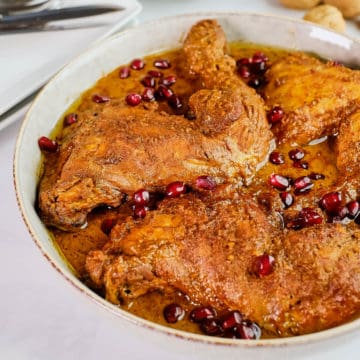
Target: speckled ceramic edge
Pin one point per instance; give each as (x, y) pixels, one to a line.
(156, 36)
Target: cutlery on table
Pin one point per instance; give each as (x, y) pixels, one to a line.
(38, 18)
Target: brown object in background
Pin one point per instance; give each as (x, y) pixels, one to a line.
(300, 4)
(327, 15)
(349, 8)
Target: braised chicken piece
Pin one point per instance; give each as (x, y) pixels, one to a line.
(123, 149)
(206, 246)
(227, 107)
(315, 97)
(99, 164)
(347, 145)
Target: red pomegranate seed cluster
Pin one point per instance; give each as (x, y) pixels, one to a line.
(231, 325)
(305, 218)
(301, 185)
(334, 207)
(157, 86)
(252, 69)
(143, 200)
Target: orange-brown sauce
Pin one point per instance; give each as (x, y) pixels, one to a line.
(76, 245)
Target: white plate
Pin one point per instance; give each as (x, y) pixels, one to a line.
(28, 60)
(82, 73)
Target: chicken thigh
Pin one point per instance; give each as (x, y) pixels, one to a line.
(315, 97)
(206, 247)
(123, 149)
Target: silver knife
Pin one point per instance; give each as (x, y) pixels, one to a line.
(38, 18)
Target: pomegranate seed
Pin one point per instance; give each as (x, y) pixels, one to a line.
(168, 80)
(162, 92)
(206, 182)
(263, 265)
(331, 202)
(133, 99)
(155, 73)
(259, 57)
(99, 99)
(124, 72)
(302, 185)
(47, 145)
(301, 164)
(255, 82)
(199, 314)
(211, 327)
(148, 81)
(162, 64)
(173, 313)
(339, 215)
(306, 217)
(70, 119)
(279, 182)
(231, 320)
(244, 72)
(275, 115)
(296, 154)
(107, 225)
(148, 94)
(316, 176)
(277, 158)
(140, 211)
(137, 64)
(353, 209)
(175, 102)
(141, 197)
(287, 199)
(259, 67)
(243, 61)
(248, 330)
(175, 189)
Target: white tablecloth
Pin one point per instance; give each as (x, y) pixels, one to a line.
(38, 318)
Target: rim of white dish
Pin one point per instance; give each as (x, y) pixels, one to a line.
(117, 311)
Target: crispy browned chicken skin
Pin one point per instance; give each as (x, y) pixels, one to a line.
(123, 149)
(205, 246)
(315, 97)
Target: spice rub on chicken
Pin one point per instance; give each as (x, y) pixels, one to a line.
(207, 246)
(122, 149)
(315, 97)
